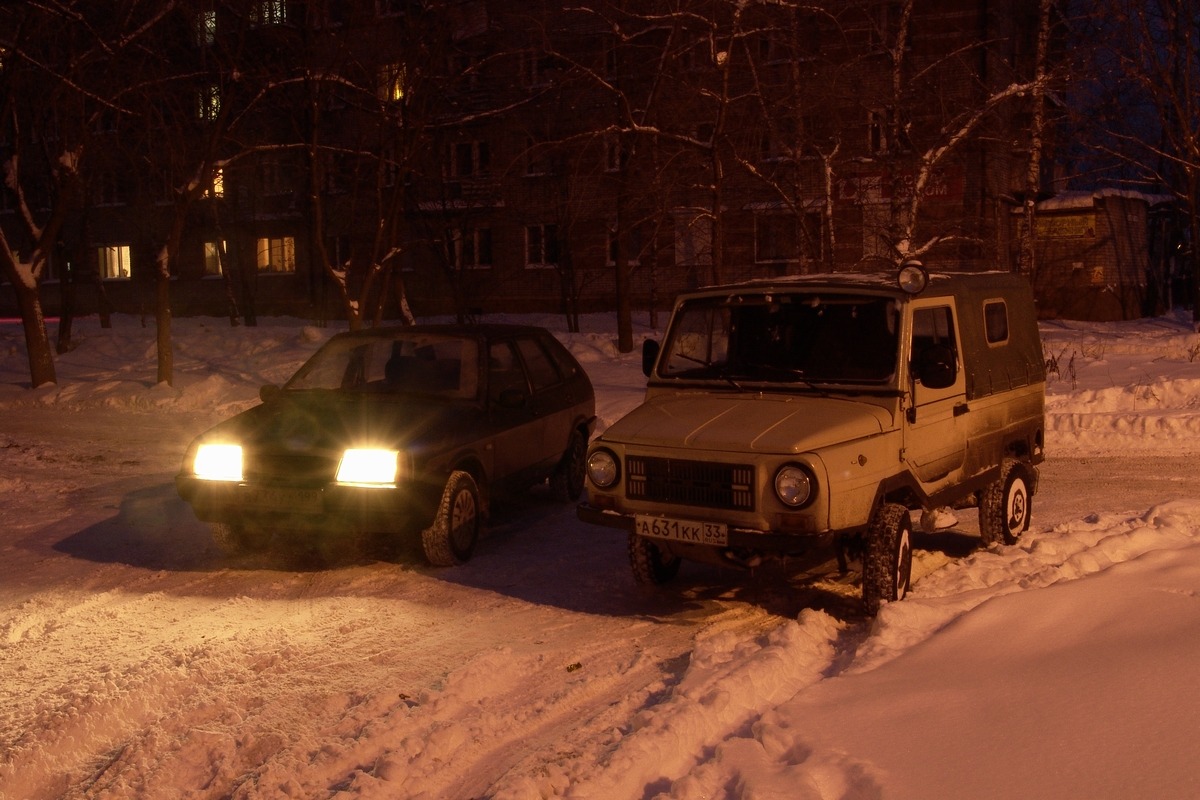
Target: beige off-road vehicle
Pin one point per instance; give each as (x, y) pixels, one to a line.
(815, 413)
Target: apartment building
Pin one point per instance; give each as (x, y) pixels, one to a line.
(469, 157)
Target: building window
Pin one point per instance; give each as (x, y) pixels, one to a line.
(541, 246)
(694, 241)
(391, 8)
(468, 158)
(269, 12)
(217, 187)
(469, 248)
(274, 177)
(212, 258)
(877, 130)
(327, 13)
(113, 262)
(533, 69)
(392, 81)
(537, 157)
(277, 255)
(629, 245)
(464, 68)
(107, 189)
(206, 27)
(774, 238)
(615, 155)
(209, 102)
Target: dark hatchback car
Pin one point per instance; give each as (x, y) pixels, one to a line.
(397, 430)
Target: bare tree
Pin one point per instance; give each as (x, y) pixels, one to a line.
(55, 81)
(1148, 109)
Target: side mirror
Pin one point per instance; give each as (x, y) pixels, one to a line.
(936, 367)
(650, 348)
(269, 393)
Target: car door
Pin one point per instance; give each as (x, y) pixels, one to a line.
(549, 401)
(512, 413)
(935, 432)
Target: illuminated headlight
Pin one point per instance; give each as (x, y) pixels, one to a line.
(218, 462)
(794, 485)
(602, 469)
(369, 467)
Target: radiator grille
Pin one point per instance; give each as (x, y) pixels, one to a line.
(297, 469)
(693, 483)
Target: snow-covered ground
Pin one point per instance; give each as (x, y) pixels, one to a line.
(135, 661)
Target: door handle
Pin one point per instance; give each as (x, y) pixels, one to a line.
(961, 409)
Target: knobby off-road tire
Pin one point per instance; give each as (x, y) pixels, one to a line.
(651, 565)
(887, 563)
(235, 539)
(1005, 505)
(451, 538)
(567, 480)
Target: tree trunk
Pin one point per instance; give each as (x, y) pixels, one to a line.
(162, 318)
(66, 313)
(37, 341)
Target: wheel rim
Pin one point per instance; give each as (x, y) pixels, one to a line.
(903, 564)
(463, 517)
(577, 467)
(1016, 510)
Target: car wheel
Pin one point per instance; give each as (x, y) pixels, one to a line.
(567, 480)
(451, 538)
(235, 538)
(651, 565)
(887, 563)
(1005, 506)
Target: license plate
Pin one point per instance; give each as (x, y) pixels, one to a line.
(303, 501)
(682, 530)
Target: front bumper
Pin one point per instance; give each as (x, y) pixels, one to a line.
(374, 509)
(739, 538)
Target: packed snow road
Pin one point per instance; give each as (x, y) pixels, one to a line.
(137, 661)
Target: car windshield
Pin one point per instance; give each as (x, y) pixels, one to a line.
(788, 338)
(421, 363)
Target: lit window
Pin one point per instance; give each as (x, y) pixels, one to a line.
(270, 12)
(217, 188)
(541, 245)
(212, 257)
(114, 262)
(277, 255)
(209, 102)
(206, 27)
(392, 79)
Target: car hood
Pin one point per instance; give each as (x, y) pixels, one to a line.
(314, 421)
(748, 423)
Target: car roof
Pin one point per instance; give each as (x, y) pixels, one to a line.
(489, 330)
(942, 282)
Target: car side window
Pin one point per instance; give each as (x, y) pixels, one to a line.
(995, 321)
(542, 372)
(934, 349)
(566, 363)
(504, 371)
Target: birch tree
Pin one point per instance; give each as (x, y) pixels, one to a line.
(55, 70)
